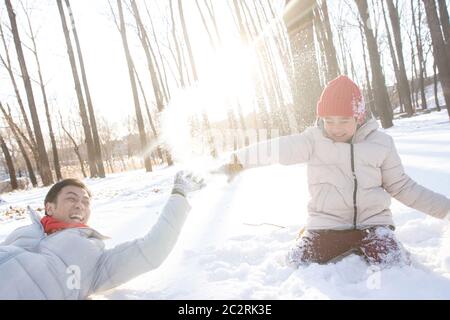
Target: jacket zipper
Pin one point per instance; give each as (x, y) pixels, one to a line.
(355, 187)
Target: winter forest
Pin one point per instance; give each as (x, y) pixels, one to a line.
(121, 93)
(93, 89)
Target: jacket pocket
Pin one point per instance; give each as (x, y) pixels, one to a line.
(322, 196)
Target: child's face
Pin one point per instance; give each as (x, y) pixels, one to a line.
(340, 129)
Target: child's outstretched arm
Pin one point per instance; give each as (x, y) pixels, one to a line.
(286, 150)
(409, 192)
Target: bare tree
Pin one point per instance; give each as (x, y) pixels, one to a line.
(44, 97)
(151, 63)
(327, 38)
(24, 152)
(267, 65)
(343, 52)
(139, 118)
(93, 123)
(435, 87)
(7, 64)
(162, 73)
(212, 42)
(76, 147)
(264, 70)
(45, 172)
(381, 97)
(439, 49)
(149, 115)
(30, 142)
(445, 23)
(404, 86)
(155, 79)
(178, 59)
(81, 104)
(109, 138)
(9, 163)
(417, 26)
(371, 101)
(414, 73)
(187, 41)
(394, 59)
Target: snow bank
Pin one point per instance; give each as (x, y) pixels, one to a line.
(235, 240)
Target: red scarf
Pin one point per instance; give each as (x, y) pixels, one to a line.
(52, 225)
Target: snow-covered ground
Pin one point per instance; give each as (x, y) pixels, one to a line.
(236, 237)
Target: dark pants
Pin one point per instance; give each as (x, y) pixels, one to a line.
(378, 245)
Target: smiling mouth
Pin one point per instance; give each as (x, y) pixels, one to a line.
(77, 218)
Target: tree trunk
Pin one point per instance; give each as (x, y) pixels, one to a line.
(150, 120)
(23, 136)
(45, 172)
(394, 59)
(164, 84)
(439, 49)
(178, 58)
(435, 85)
(445, 24)
(28, 164)
(76, 149)
(320, 37)
(139, 118)
(21, 147)
(371, 101)
(92, 120)
(150, 62)
(414, 74)
(81, 104)
(205, 25)
(382, 103)
(330, 50)
(187, 41)
(9, 68)
(417, 33)
(44, 96)
(9, 164)
(404, 85)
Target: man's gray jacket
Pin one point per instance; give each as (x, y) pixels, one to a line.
(73, 263)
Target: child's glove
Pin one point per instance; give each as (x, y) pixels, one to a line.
(186, 182)
(232, 168)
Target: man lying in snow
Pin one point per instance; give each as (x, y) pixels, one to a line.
(61, 257)
(353, 170)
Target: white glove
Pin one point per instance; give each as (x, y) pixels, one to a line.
(186, 182)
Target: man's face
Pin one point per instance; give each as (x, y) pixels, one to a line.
(340, 129)
(72, 205)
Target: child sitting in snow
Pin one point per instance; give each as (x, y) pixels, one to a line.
(60, 257)
(353, 170)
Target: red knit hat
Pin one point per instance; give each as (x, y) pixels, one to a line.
(341, 97)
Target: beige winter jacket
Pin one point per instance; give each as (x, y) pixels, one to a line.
(350, 184)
